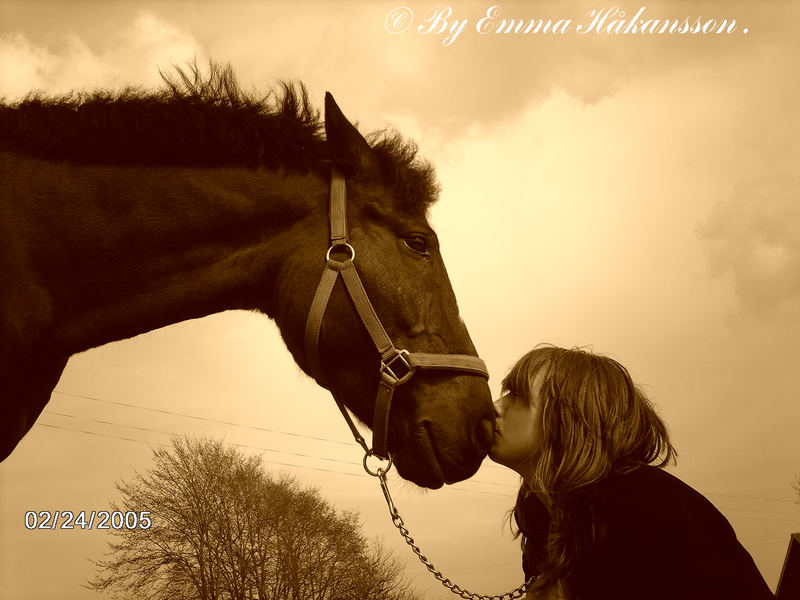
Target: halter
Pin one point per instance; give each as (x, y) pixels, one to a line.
(397, 365)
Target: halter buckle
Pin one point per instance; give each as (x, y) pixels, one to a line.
(397, 369)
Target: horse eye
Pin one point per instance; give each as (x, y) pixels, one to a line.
(417, 244)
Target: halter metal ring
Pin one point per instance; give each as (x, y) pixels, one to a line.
(380, 470)
(341, 245)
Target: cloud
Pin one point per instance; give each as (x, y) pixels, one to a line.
(131, 56)
(482, 80)
(754, 236)
(23, 65)
(478, 81)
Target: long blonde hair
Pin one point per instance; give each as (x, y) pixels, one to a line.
(595, 423)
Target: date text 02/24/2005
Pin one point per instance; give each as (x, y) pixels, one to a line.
(101, 519)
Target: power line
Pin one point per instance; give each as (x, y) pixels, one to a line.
(774, 542)
(797, 520)
(288, 453)
(60, 414)
(209, 420)
(768, 536)
(752, 498)
(93, 420)
(271, 462)
(117, 437)
(292, 465)
(351, 463)
(298, 435)
(760, 510)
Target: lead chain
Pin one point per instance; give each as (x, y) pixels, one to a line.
(397, 521)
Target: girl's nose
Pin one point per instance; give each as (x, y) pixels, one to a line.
(498, 408)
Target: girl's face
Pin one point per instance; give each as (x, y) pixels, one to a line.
(518, 430)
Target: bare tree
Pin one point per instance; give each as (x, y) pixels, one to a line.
(222, 528)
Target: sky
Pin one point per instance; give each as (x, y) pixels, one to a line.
(637, 194)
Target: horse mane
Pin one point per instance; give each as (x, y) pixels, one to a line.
(203, 120)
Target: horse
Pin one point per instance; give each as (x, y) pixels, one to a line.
(129, 210)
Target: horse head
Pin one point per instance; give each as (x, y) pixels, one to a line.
(441, 422)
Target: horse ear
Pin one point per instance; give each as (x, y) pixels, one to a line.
(349, 150)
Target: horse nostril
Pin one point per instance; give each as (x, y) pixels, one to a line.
(485, 435)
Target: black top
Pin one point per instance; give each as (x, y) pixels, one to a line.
(664, 541)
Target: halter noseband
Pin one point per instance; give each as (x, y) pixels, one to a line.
(397, 366)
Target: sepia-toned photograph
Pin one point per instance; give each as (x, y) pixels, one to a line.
(372, 300)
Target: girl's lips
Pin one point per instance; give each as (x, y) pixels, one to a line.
(497, 435)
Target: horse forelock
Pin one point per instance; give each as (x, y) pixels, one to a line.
(199, 119)
(414, 180)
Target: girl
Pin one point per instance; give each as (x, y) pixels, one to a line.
(598, 516)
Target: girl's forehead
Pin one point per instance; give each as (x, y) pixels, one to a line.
(526, 383)
(535, 391)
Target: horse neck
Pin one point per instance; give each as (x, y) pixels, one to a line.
(134, 249)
